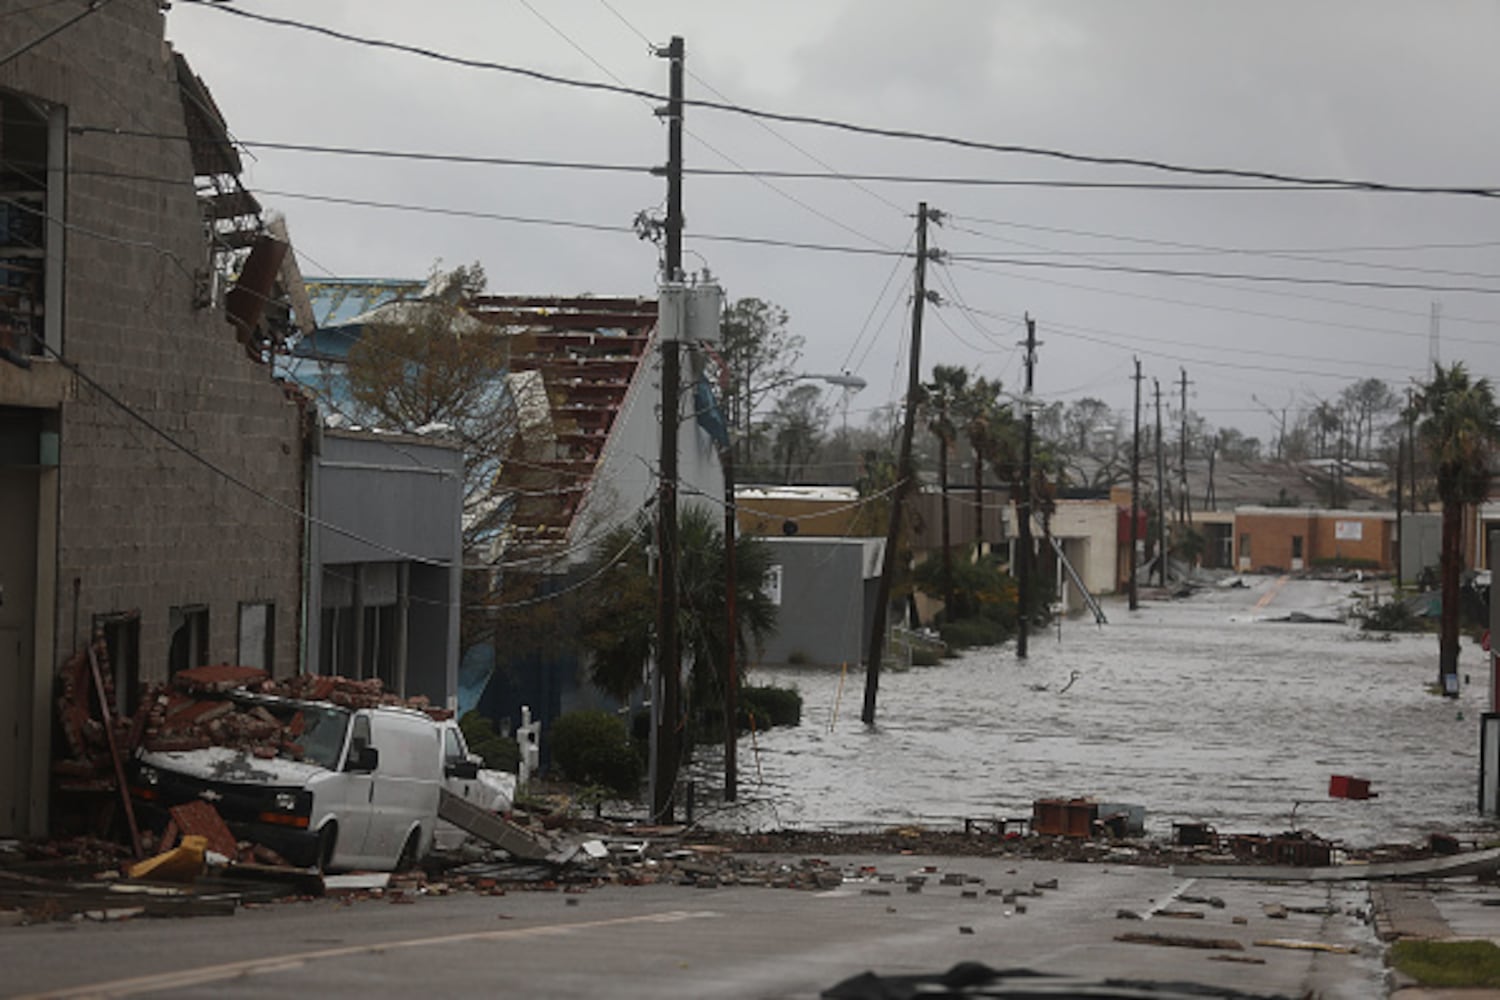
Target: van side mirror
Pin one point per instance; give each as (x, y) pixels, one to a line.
(362, 758)
(466, 770)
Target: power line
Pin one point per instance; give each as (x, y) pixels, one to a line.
(698, 138)
(832, 172)
(926, 180)
(1333, 183)
(976, 259)
(875, 306)
(93, 7)
(1276, 293)
(1199, 249)
(225, 474)
(1225, 275)
(1210, 307)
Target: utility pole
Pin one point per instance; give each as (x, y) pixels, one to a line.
(905, 474)
(1135, 490)
(668, 688)
(1411, 452)
(1400, 485)
(1023, 509)
(1210, 498)
(731, 669)
(1161, 496)
(1184, 505)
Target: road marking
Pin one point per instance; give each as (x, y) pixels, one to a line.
(184, 978)
(1270, 594)
(1168, 900)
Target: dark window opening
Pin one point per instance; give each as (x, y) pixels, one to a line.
(257, 642)
(189, 646)
(25, 143)
(380, 645)
(122, 640)
(336, 643)
(1296, 546)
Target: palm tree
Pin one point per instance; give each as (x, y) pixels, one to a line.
(985, 422)
(1460, 429)
(618, 620)
(942, 396)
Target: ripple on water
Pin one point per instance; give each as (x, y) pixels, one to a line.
(1181, 709)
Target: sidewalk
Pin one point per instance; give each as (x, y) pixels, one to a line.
(1447, 910)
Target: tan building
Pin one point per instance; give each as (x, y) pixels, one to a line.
(1299, 538)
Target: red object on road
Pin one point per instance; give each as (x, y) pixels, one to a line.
(1343, 786)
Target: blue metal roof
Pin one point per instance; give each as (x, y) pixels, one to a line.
(336, 301)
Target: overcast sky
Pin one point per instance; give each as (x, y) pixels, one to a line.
(1395, 92)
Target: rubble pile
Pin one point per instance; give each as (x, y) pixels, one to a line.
(198, 709)
(82, 730)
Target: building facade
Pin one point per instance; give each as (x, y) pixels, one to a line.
(151, 471)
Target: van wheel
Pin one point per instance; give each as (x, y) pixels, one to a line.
(327, 840)
(408, 857)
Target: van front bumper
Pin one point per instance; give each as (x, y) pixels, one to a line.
(297, 847)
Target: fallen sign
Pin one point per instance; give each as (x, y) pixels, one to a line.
(489, 827)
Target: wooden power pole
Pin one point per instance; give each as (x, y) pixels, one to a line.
(1023, 507)
(1161, 495)
(905, 474)
(1184, 502)
(667, 693)
(1135, 490)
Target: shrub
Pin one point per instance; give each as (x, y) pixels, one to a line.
(773, 706)
(1345, 562)
(594, 748)
(1389, 616)
(967, 632)
(500, 753)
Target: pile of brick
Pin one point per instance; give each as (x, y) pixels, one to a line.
(194, 713)
(88, 762)
(195, 710)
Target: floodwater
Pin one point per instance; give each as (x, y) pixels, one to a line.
(1198, 709)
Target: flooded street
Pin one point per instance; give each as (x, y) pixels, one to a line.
(1198, 709)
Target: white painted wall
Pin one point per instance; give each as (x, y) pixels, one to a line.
(626, 475)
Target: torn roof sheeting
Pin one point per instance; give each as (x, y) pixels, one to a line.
(208, 134)
(586, 351)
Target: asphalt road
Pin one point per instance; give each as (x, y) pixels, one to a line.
(741, 941)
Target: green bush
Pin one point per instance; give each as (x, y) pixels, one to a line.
(1345, 562)
(772, 706)
(967, 632)
(594, 748)
(500, 753)
(1390, 616)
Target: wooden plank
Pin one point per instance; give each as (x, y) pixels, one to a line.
(1181, 941)
(114, 752)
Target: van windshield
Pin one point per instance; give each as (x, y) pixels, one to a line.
(322, 734)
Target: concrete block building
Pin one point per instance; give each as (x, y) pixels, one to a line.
(151, 471)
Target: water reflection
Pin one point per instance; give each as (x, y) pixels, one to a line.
(1194, 709)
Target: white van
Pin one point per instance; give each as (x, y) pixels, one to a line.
(362, 794)
(464, 777)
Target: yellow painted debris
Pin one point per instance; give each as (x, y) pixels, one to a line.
(183, 863)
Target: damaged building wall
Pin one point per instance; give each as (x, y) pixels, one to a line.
(133, 533)
(387, 561)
